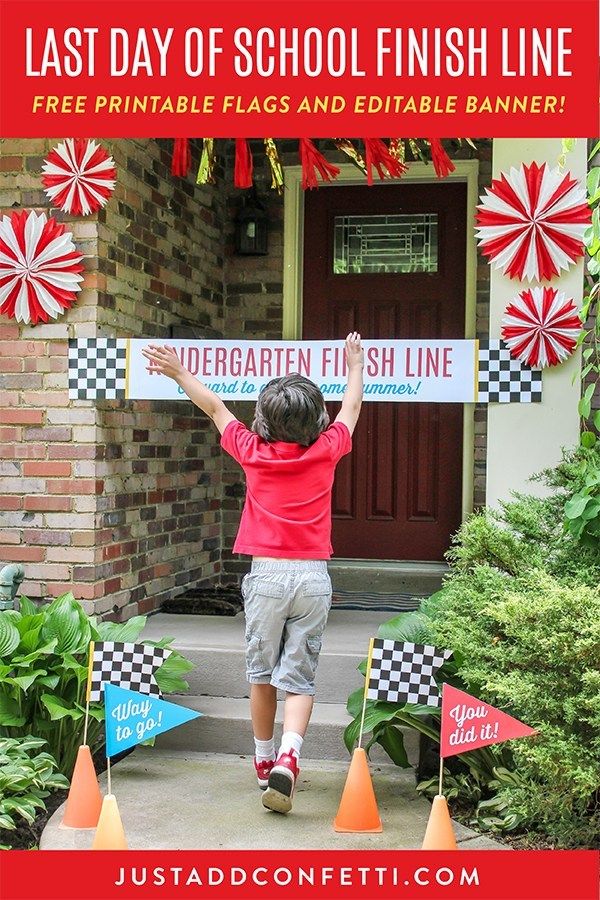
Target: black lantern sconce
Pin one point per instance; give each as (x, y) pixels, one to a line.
(252, 228)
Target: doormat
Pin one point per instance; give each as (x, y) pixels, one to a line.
(376, 602)
(219, 601)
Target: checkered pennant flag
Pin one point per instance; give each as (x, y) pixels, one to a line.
(129, 666)
(402, 672)
(97, 368)
(504, 379)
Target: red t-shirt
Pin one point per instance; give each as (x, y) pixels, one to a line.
(287, 512)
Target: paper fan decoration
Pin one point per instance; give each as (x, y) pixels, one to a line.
(531, 222)
(39, 267)
(541, 327)
(79, 176)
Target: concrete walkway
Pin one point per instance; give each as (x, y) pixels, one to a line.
(177, 800)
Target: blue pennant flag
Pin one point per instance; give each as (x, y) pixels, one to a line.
(131, 717)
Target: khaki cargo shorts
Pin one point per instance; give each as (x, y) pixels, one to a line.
(286, 603)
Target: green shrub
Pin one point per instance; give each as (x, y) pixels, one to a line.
(44, 669)
(27, 777)
(531, 645)
(521, 611)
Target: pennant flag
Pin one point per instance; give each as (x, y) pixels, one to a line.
(402, 672)
(130, 666)
(468, 723)
(131, 717)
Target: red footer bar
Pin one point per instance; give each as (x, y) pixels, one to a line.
(306, 875)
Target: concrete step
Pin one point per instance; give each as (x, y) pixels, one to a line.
(225, 727)
(215, 644)
(386, 576)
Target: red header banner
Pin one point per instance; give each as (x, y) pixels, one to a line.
(149, 68)
(300, 875)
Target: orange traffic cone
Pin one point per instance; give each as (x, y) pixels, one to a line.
(358, 806)
(109, 833)
(84, 800)
(439, 834)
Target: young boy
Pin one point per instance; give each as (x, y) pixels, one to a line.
(289, 458)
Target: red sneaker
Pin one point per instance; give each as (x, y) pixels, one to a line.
(263, 770)
(281, 784)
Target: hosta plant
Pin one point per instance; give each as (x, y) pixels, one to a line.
(44, 667)
(27, 777)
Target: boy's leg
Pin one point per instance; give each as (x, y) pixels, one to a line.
(295, 673)
(263, 707)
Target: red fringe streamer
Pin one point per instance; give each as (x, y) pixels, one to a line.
(442, 163)
(242, 173)
(312, 162)
(378, 155)
(182, 157)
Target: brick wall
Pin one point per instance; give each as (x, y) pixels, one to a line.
(118, 502)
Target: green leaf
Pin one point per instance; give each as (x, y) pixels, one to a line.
(410, 626)
(127, 632)
(168, 676)
(58, 709)
(588, 439)
(26, 607)
(392, 741)
(584, 408)
(576, 505)
(10, 713)
(597, 419)
(9, 635)
(68, 624)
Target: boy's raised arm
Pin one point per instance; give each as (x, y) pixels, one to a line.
(165, 360)
(355, 358)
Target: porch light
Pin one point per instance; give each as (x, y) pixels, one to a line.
(251, 229)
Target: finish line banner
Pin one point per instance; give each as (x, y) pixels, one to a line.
(424, 371)
(146, 68)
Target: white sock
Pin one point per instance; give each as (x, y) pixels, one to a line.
(264, 750)
(291, 740)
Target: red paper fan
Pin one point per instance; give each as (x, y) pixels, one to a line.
(39, 267)
(541, 327)
(79, 176)
(531, 222)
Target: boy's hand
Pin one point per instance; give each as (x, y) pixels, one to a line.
(355, 355)
(163, 360)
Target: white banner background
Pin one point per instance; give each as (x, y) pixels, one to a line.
(428, 371)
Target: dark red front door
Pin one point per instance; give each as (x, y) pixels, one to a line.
(389, 261)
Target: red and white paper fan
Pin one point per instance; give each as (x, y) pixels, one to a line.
(39, 267)
(79, 176)
(531, 222)
(541, 327)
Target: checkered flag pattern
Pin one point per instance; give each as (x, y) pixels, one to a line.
(97, 368)
(402, 672)
(129, 666)
(504, 379)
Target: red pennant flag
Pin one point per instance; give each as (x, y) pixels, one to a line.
(469, 723)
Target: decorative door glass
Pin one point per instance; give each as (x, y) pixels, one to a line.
(398, 243)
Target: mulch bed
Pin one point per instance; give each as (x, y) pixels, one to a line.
(27, 837)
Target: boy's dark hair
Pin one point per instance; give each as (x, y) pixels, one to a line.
(290, 409)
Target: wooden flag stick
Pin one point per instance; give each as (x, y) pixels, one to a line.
(364, 706)
(440, 788)
(108, 778)
(88, 690)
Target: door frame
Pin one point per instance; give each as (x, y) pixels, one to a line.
(466, 171)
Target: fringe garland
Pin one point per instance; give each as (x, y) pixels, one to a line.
(442, 163)
(242, 174)
(347, 147)
(182, 157)
(274, 162)
(378, 155)
(312, 162)
(206, 170)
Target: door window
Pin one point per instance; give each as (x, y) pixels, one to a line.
(394, 243)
